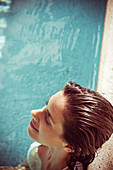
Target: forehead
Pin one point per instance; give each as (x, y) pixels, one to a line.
(58, 101)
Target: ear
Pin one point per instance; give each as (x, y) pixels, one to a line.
(68, 148)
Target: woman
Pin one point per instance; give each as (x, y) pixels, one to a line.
(71, 127)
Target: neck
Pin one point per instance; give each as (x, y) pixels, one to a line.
(57, 158)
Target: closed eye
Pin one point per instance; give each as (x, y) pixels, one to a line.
(50, 122)
(46, 119)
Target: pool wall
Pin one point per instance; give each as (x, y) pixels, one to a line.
(104, 160)
(105, 75)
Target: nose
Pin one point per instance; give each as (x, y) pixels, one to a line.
(36, 113)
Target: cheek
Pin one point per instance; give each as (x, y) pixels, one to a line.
(49, 137)
(44, 132)
(43, 128)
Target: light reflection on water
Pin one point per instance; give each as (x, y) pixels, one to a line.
(4, 8)
(47, 44)
(5, 5)
(2, 37)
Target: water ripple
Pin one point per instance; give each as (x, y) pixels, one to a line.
(4, 7)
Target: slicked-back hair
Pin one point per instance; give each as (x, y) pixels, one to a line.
(88, 121)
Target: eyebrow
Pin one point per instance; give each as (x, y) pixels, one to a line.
(48, 99)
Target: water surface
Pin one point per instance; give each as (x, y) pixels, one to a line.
(48, 43)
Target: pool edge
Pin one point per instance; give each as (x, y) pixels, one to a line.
(104, 160)
(105, 72)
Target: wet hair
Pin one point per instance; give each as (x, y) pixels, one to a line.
(88, 122)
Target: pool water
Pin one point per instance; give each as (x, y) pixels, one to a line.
(48, 43)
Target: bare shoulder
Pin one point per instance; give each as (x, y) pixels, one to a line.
(36, 156)
(104, 160)
(33, 158)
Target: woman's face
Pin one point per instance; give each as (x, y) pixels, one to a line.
(46, 126)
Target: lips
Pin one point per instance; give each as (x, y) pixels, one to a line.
(31, 124)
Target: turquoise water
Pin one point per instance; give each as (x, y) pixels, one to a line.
(48, 43)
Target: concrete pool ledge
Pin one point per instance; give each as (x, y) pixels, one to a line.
(105, 75)
(104, 160)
